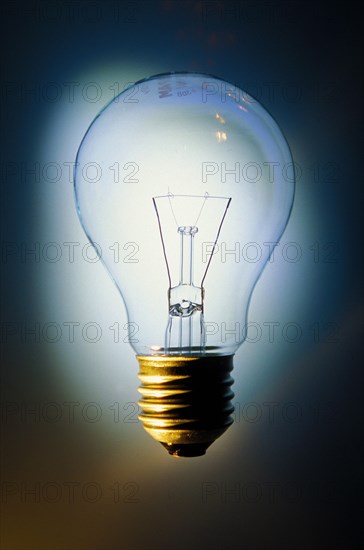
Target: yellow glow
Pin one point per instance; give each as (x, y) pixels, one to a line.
(221, 136)
(220, 118)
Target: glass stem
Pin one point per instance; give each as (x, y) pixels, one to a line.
(186, 273)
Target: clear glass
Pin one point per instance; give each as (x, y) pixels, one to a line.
(184, 183)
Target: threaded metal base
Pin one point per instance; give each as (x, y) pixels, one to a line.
(186, 401)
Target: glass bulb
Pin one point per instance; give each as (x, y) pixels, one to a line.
(192, 180)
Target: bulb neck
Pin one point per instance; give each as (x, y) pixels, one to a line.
(186, 401)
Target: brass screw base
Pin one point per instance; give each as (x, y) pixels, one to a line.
(186, 401)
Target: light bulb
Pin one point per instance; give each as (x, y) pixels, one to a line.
(192, 181)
